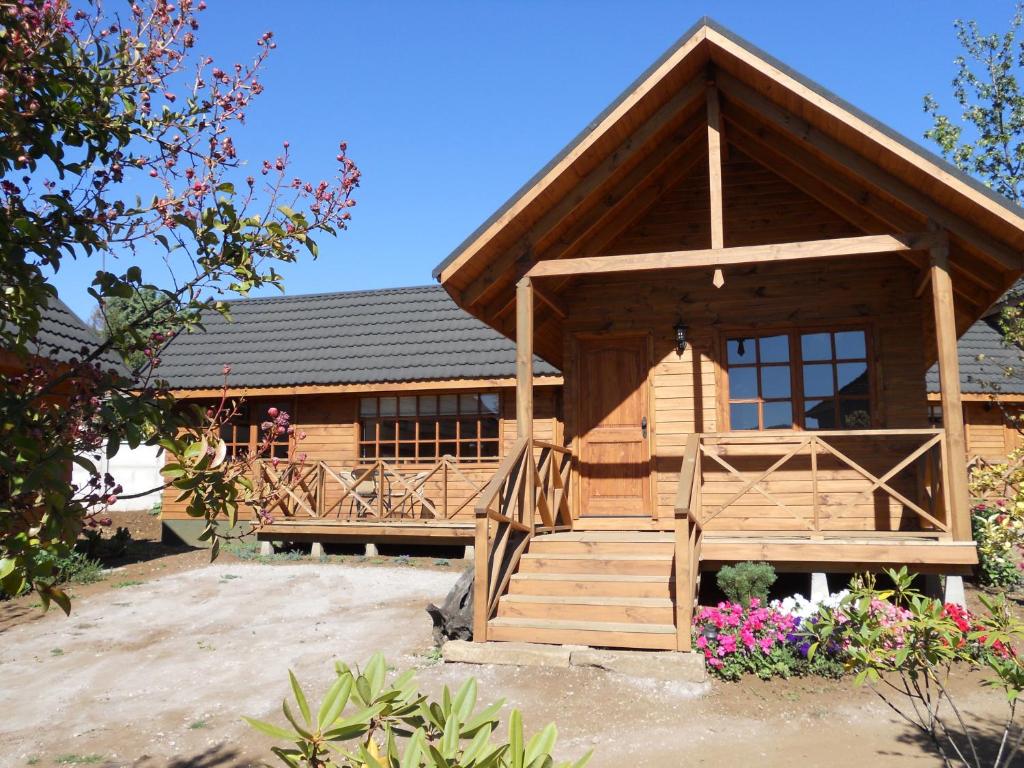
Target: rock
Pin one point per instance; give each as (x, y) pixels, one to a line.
(454, 619)
(516, 654)
(656, 665)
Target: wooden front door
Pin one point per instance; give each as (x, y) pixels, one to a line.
(614, 427)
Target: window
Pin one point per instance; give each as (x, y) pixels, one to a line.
(813, 380)
(426, 427)
(243, 432)
(935, 415)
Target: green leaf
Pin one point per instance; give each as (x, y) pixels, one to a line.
(515, 738)
(413, 749)
(465, 700)
(271, 730)
(6, 567)
(334, 702)
(542, 743)
(300, 697)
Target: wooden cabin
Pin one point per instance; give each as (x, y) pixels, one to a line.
(992, 400)
(406, 401)
(744, 281)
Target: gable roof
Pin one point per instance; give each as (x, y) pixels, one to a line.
(360, 337)
(888, 183)
(700, 30)
(983, 359)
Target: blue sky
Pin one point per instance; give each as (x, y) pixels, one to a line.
(449, 107)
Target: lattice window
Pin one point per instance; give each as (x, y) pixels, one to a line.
(801, 380)
(422, 428)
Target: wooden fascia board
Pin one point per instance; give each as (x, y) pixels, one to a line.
(383, 387)
(871, 132)
(722, 257)
(980, 397)
(581, 146)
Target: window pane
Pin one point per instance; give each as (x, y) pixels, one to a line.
(853, 378)
(468, 450)
(775, 382)
(743, 416)
(778, 415)
(428, 405)
(447, 449)
(427, 450)
(489, 403)
(279, 450)
(855, 414)
(469, 403)
(367, 451)
(774, 349)
(428, 429)
(740, 350)
(388, 406)
(820, 414)
(818, 380)
(407, 430)
(467, 428)
(816, 346)
(489, 449)
(850, 345)
(489, 428)
(368, 406)
(742, 383)
(407, 406)
(449, 404)
(407, 450)
(369, 430)
(447, 429)
(387, 430)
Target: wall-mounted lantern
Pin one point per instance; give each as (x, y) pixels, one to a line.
(680, 328)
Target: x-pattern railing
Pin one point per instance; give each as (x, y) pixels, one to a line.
(816, 444)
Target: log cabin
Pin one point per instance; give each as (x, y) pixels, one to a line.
(743, 280)
(992, 398)
(405, 400)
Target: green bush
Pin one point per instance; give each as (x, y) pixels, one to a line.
(363, 716)
(78, 568)
(744, 581)
(997, 534)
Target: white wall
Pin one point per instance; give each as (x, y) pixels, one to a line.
(136, 470)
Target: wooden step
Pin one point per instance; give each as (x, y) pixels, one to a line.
(547, 545)
(595, 633)
(633, 537)
(591, 584)
(584, 563)
(628, 610)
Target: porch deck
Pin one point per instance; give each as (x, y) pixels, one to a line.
(442, 532)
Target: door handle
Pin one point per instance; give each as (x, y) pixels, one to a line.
(643, 426)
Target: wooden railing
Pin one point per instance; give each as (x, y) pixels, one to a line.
(825, 489)
(994, 480)
(689, 534)
(378, 491)
(528, 494)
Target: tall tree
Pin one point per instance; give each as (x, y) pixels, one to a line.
(92, 103)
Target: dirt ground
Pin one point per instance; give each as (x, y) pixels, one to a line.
(158, 662)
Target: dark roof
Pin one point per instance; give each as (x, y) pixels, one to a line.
(62, 335)
(710, 23)
(360, 337)
(983, 359)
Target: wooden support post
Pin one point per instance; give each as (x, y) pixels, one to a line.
(715, 176)
(481, 574)
(949, 384)
(524, 389)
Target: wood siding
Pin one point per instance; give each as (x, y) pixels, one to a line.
(330, 422)
(989, 431)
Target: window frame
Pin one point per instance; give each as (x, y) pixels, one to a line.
(796, 363)
(254, 412)
(456, 418)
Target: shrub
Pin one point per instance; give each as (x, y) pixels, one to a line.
(78, 568)
(448, 733)
(998, 529)
(904, 646)
(743, 582)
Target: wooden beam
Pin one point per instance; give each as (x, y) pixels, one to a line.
(988, 247)
(524, 358)
(620, 161)
(719, 257)
(553, 304)
(715, 168)
(949, 387)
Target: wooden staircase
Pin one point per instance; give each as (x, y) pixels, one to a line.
(602, 588)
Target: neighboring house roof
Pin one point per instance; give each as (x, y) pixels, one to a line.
(359, 337)
(62, 336)
(983, 359)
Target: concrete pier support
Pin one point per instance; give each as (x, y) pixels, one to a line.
(953, 591)
(470, 553)
(266, 548)
(819, 587)
(370, 550)
(316, 550)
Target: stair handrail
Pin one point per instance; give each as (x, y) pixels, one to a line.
(689, 533)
